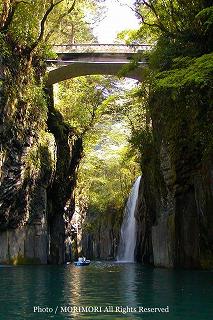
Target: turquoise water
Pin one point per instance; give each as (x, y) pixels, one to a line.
(110, 287)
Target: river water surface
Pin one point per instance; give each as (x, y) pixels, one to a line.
(110, 287)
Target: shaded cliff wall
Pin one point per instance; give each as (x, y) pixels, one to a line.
(176, 197)
(39, 156)
(100, 235)
(175, 229)
(26, 161)
(69, 152)
(176, 146)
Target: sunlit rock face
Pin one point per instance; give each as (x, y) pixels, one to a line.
(25, 245)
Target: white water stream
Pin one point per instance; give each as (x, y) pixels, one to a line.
(127, 243)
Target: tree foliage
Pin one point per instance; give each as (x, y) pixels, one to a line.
(107, 172)
(99, 110)
(30, 24)
(83, 100)
(176, 94)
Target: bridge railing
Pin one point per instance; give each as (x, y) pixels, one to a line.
(100, 48)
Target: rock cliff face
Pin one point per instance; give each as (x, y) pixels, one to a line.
(38, 162)
(24, 167)
(59, 193)
(176, 199)
(100, 240)
(175, 222)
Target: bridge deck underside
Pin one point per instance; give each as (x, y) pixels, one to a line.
(77, 69)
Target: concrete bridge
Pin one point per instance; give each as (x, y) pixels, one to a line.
(90, 59)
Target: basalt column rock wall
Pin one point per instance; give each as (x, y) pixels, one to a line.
(26, 163)
(39, 156)
(60, 192)
(100, 237)
(175, 222)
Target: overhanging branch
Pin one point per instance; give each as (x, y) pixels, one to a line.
(59, 20)
(43, 22)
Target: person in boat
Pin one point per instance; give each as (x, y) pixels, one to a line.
(82, 259)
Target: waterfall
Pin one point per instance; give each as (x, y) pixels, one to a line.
(127, 243)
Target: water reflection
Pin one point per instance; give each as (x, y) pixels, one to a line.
(128, 287)
(187, 293)
(75, 284)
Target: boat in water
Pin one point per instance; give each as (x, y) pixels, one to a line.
(82, 262)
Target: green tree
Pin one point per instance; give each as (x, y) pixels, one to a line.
(101, 114)
(176, 97)
(25, 146)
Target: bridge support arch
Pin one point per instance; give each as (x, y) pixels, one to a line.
(77, 69)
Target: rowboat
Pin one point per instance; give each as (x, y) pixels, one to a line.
(82, 262)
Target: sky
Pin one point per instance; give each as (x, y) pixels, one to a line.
(118, 18)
